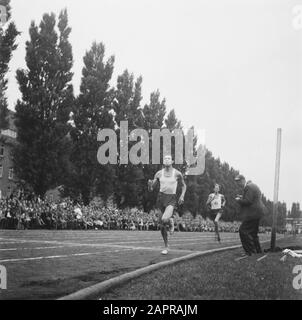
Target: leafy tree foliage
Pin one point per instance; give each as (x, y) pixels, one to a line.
(91, 112)
(43, 112)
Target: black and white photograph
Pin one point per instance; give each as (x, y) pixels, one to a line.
(150, 151)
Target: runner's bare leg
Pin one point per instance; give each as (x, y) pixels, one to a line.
(218, 216)
(166, 223)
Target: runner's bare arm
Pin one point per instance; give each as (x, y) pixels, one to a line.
(210, 198)
(183, 188)
(223, 201)
(152, 183)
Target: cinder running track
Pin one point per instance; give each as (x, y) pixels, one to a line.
(51, 264)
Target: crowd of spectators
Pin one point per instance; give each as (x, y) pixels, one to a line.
(188, 223)
(24, 213)
(33, 213)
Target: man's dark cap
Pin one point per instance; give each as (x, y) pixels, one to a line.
(239, 177)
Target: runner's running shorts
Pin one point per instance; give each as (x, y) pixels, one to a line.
(164, 200)
(213, 213)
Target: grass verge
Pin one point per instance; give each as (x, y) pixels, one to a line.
(218, 276)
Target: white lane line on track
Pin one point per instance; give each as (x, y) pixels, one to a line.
(174, 238)
(117, 238)
(159, 241)
(125, 234)
(235, 241)
(261, 258)
(103, 245)
(62, 256)
(204, 237)
(140, 248)
(127, 242)
(12, 242)
(241, 258)
(33, 248)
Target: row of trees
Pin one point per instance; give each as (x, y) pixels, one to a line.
(57, 131)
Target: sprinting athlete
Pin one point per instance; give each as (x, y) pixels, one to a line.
(216, 203)
(168, 179)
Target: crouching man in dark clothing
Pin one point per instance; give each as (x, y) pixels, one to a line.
(252, 210)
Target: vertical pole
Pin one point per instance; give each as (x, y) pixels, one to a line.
(276, 190)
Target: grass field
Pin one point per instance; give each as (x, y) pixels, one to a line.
(51, 264)
(218, 276)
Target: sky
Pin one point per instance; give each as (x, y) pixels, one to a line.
(230, 68)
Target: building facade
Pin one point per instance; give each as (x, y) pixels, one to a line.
(8, 178)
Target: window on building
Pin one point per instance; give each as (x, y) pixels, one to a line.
(1, 171)
(1, 151)
(11, 174)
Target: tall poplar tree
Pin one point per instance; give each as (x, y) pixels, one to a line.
(42, 114)
(127, 107)
(92, 112)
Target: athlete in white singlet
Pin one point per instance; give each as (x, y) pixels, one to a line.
(168, 179)
(216, 203)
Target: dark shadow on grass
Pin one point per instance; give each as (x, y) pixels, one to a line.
(91, 276)
(55, 288)
(278, 249)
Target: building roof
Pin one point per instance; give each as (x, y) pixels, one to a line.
(10, 133)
